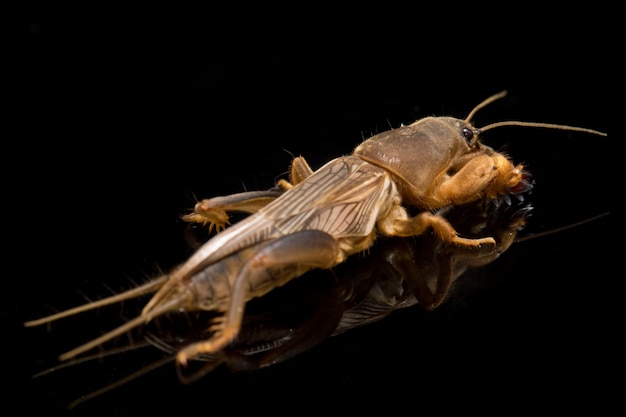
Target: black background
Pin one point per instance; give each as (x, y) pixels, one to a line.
(125, 119)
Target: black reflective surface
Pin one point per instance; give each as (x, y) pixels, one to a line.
(129, 122)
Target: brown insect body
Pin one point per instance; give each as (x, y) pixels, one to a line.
(320, 218)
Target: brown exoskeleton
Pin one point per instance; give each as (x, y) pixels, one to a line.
(320, 218)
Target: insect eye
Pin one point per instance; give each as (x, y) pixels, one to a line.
(468, 134)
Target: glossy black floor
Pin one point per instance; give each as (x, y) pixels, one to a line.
(130, 122)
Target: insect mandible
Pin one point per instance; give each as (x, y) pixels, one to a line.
(319, 218)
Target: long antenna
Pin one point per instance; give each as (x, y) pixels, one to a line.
(523, 124)
(485, 103)
(560, 229)
(541, 125)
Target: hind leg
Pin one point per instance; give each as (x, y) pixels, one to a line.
(304, 250)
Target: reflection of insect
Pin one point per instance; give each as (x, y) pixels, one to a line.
(320, 218)
(362, 290)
